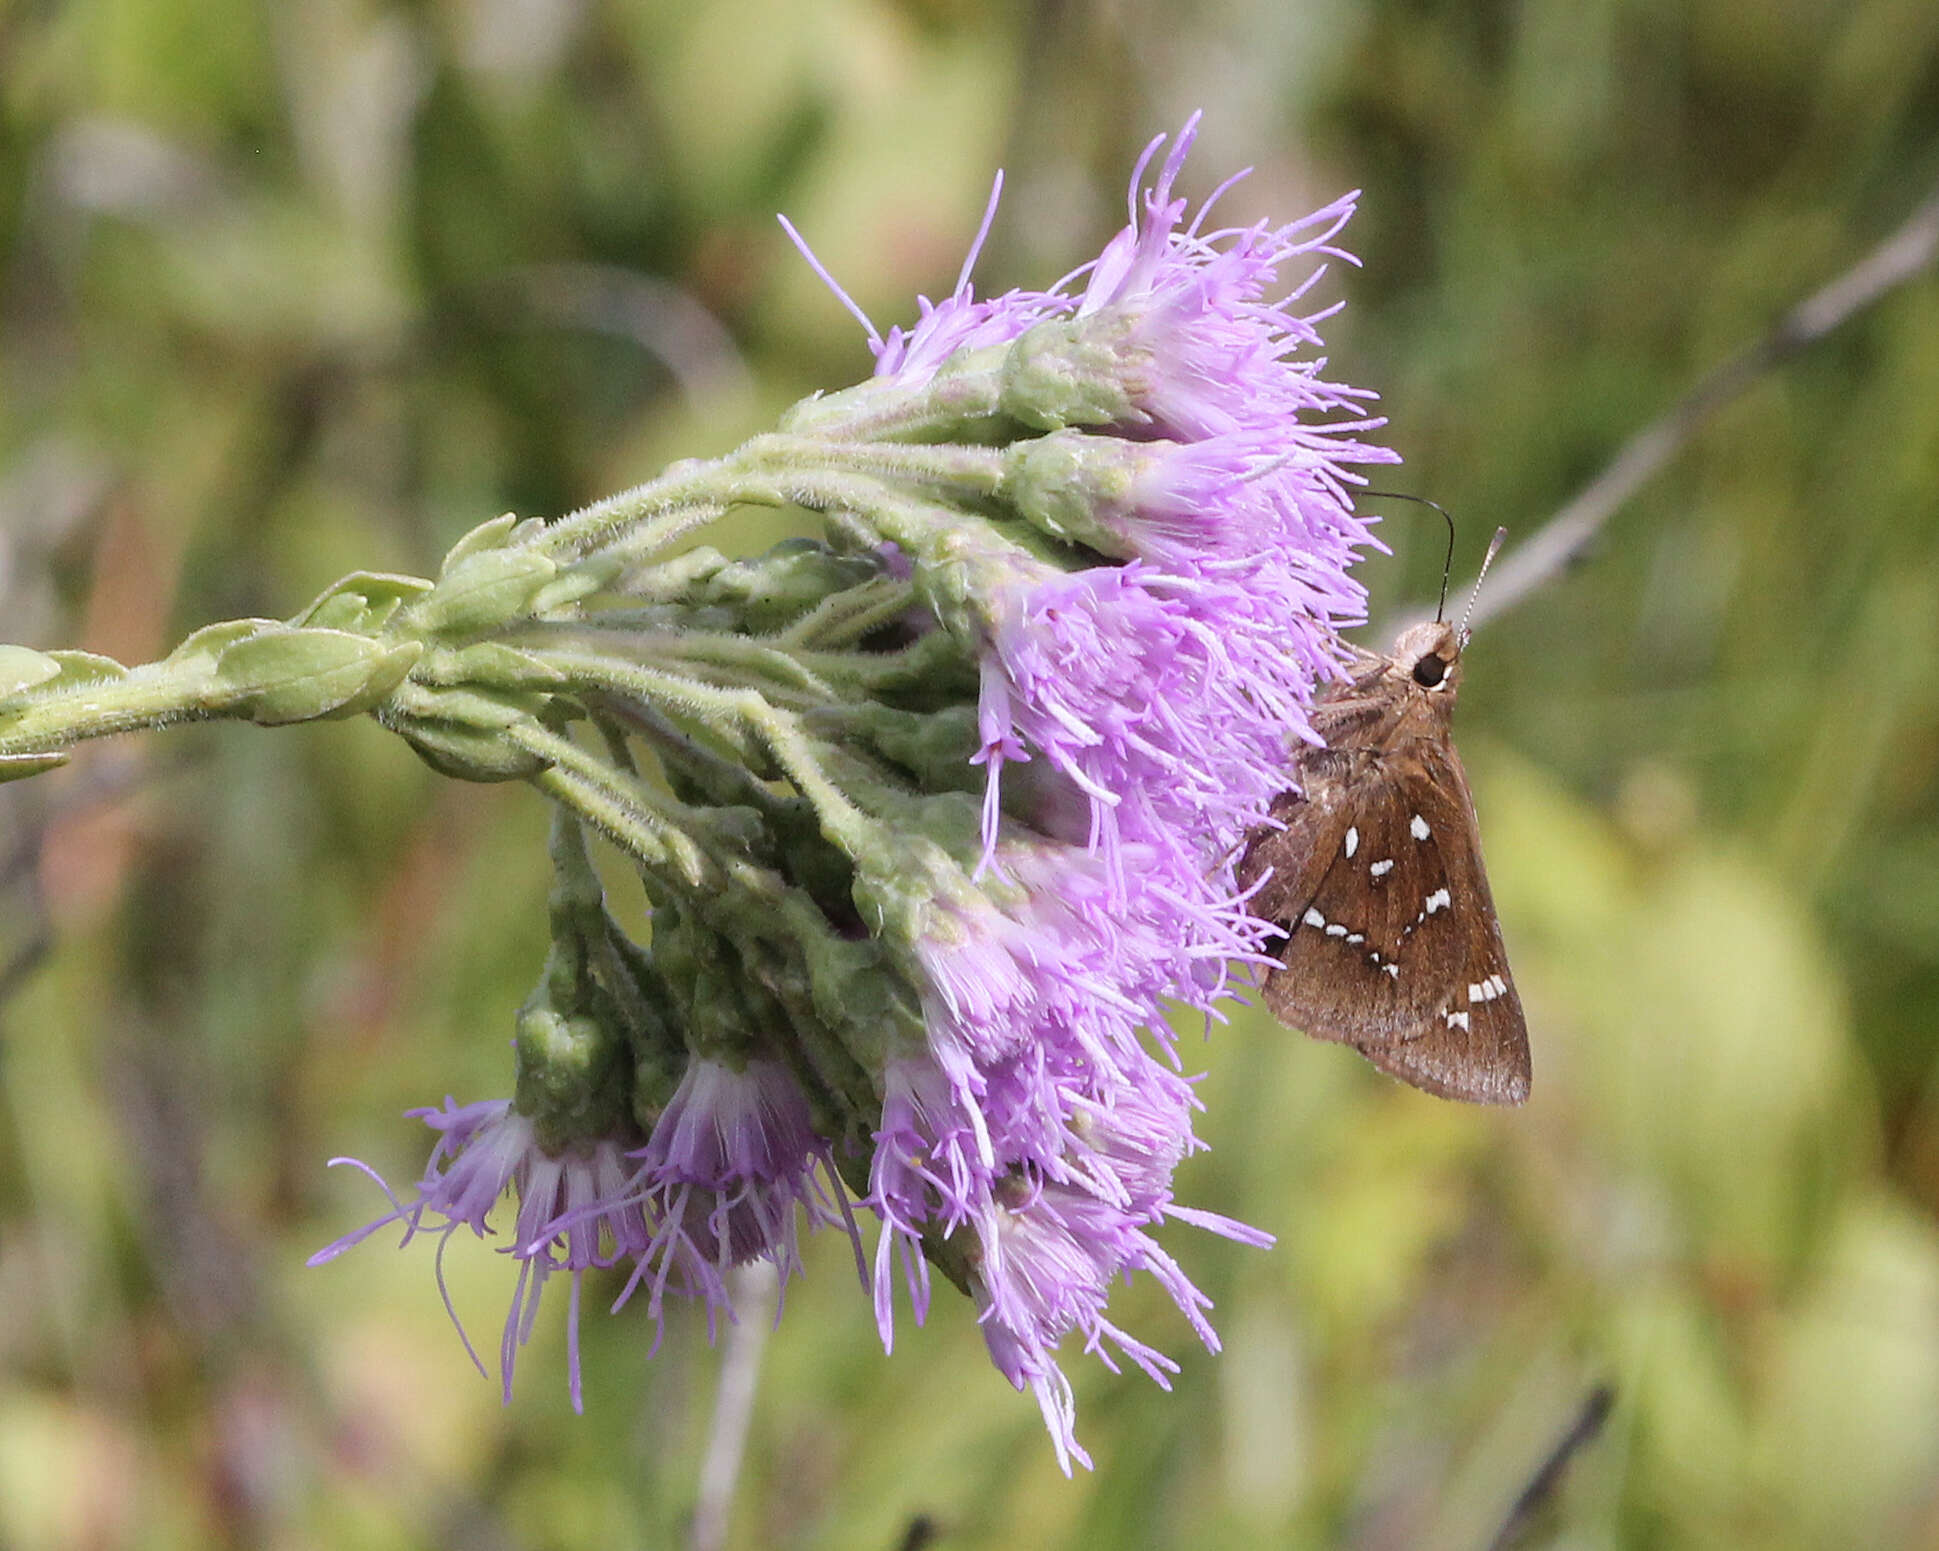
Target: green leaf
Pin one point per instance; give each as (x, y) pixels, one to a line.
(17, 767)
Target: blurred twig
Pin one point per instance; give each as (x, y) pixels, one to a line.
(31, 813)
(919, 1535)
(1548, 1476)
(755, 1288)
(20, 869)
(664, 320)
(1563, 539)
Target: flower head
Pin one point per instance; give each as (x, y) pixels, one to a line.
(1168, 687)
(732, 1164)
(1039, 1125)
(1049, 1250)
(576, 1210)
(1167, 697)
(718, 1184)
(1208, 349)
(959, 322)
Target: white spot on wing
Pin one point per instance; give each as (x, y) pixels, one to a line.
(1353, 841)
(1354, 939)
(1440, 899)
(1417, 827)
(1313, 917)
(1335, 929)
(1456, 1020)
(1392, 969)
(1381, 869)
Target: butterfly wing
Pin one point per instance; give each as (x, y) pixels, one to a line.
(1392, 944)
(1474, 1043)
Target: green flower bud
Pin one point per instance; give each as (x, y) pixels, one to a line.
(1066, 374)
(771, 592)
(574, 1074)
(957, 405)
(484, 590)
(22, 668)
(464, 731)
(935, 747)
(862, 997)
(1058, 482)
(362, 601)
(489, 665)
(280, 675)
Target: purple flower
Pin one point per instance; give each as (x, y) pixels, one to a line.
(910, 357)
(1168, 688)
(1253, 497)
(1167, 697)
(1039, 1124)
(1053, 951)
(959, 322)
(1050, 1232)
(731, 1158)
(1050, 1255)
(718, 1184)
(932, 1168)
(1208, 350)
(576, 1210)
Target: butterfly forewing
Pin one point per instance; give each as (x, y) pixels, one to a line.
(1472, 1044)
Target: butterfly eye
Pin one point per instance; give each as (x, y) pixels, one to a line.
(1429, 671)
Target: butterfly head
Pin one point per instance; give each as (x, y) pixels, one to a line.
(1429, 658)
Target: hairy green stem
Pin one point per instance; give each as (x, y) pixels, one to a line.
(779, 730)
(651, 516)
(160, 694)
(883, 409)
(616, 806)
(976, 469)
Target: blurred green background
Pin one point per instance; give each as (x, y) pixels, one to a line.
(287, 290)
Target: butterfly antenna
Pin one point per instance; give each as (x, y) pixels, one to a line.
(1447, 565)
(1494, 548)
